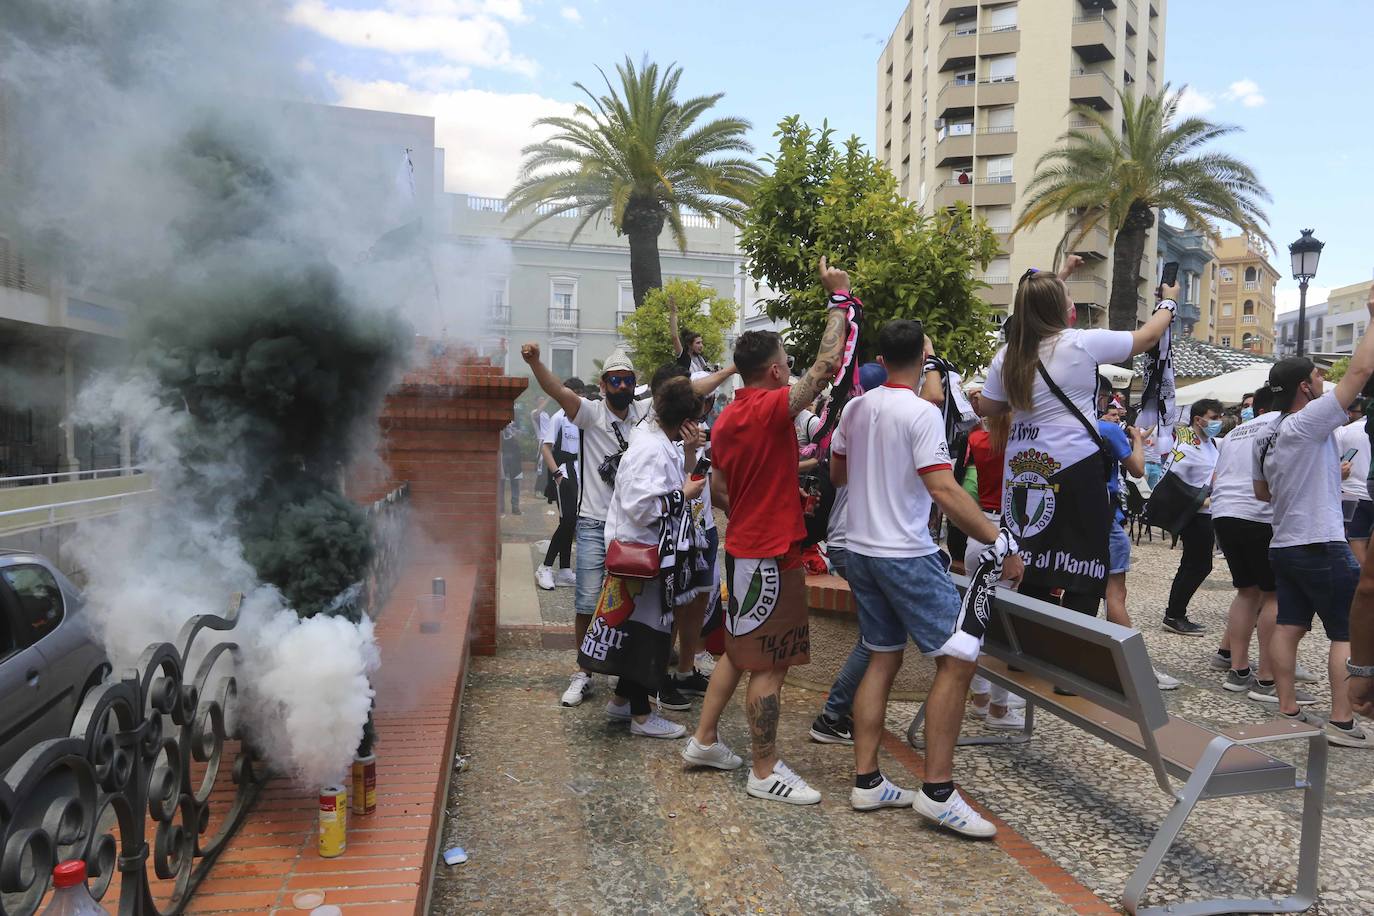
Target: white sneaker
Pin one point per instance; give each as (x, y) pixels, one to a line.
(1303, 676)
(1013, 721)
(1165, 682)
(543, 577)
(565, 577)
(1015, 701)
(618, 712)
(717, 755)
(883, 795)
(978, 712)
(705, 662)
(578, 688)
(657, 727)
(782, 785)
(954, 814)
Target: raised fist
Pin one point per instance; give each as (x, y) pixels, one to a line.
(530, 353)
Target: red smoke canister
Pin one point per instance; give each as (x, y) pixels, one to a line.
(365, 784)
(333, 821)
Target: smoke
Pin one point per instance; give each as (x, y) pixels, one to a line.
(156, 151)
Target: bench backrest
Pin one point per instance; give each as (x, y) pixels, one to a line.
(1096, 659)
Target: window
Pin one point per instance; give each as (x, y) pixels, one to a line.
(1227, 275)
(563, 362)
(959, 129)
(1250, 275)
(998, 271)
(1225, 341)
(1227, 309)
(998, 169)
(1002, 68)
(965, 78)
(39, 598)
(999, 218)
(1000, 119)
(1247, 341)
(497, 296)
(626, 302)
(1191, 280)
(1248, 308)
(1001, 18)
(564, 297)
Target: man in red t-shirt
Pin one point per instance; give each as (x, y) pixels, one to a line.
(754, 478)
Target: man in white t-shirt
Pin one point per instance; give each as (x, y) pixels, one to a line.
(1298, 469)
(1353, 441)
(1192, 461)
(889, 449)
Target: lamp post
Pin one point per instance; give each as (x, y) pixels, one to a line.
(1306, 252)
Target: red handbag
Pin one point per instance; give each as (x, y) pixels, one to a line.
(632, 561)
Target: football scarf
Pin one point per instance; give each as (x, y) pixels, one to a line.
(846, 380)
(976, 608)
(957, 411)
(1157, 407)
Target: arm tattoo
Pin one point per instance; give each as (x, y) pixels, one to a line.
(823, 369)
(763, 724)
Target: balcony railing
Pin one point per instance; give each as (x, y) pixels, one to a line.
(997, 29)
(1249, 319)
(1251, 284)
(621, 315)
(498, 314)
(562, 317)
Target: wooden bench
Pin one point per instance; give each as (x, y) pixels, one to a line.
(1118, 700)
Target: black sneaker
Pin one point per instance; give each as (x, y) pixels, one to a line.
(670, 698)
(827, 732)
(1183, 626)
(692, 685)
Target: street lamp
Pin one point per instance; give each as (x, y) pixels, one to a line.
(1306, 252)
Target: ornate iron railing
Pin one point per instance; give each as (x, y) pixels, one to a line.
(156, 776)
(148, 788)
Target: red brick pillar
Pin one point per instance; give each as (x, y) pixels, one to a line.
(441, 433)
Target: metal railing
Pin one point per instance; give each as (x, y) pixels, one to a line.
(1094, 16)
(390, 519)
(34, 480)
(16, 272)
(993, 281)
(560, 317)
(997, 29)
(54, 513)
(1008, 129)
(498, 314)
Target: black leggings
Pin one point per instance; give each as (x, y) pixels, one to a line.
(560, 545)
(1083, 602)
(637, 694)
(514, 491)
(1194, 566)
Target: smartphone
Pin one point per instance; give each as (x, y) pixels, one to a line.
(1350, 455)
(1169, 277)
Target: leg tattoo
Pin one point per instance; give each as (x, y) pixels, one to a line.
(763, 724)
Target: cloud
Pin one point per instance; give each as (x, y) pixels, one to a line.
(481, 132)
(1286, 300)
(570, 13)
(438, 77)
(466, 32)
(1192, 102)
(1246, 91)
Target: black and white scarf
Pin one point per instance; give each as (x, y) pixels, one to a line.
(846, 380)
(1157, 408)
(958, 413)
(976, 608)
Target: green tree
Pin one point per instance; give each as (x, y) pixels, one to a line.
(1337, 370)
(699, 308)
(639, 155)
(1156, 162)
(822, 199)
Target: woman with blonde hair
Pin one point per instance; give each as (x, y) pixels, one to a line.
(1054, 494)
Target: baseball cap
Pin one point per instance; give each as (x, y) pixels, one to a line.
(1287, 374)
(617, 362)
(871, 375)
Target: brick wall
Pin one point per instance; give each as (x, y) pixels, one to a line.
(441, 433)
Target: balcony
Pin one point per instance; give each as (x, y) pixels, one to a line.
(997, 141)
(1251, 284)
(1006, 242)
(1095, 245)
(562, 318)
(1094, 37)
(1000, 39)
(962, 94)
(951, 10)
(999, 292)
(959, 47)
(990, 192)
(498, 315)
(951, 145)
(1249, 319)
(1088, 291)
(1092, 88)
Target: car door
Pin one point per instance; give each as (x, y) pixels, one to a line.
(25, 692)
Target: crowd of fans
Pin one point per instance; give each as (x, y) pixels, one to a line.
(904, 474)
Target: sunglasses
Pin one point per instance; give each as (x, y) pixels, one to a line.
(619, 381)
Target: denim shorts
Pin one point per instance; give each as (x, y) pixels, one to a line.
(1316, 579)
(591, 564)
(901, 597)
(1360, 521)
(1118, 550)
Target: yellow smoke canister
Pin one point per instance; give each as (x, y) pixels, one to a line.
(333, 821)
(365, 784)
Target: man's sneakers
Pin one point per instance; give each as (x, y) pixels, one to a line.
(717, 755)
(567, 578)
(657, 727)
(782, 785)
(669, 697)
(840, 731)
(1303, 676)
(1269, 693)
(618, 712)
(1166, 682)
(690, 685)
(954, 814)
(1183, 626)
(1219, 662)
(1347, 735)
(883, 795)
(543, 577)
(705, 662)
(1239, 683)
(1013, 721)
(578, 688)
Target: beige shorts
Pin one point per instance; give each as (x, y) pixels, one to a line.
(766, 621)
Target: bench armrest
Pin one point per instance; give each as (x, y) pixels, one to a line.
(1277, 730)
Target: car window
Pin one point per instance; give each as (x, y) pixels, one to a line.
(8, 646)
(39, 599)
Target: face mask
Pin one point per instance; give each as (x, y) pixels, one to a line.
(620, 398)
(1247, 414)
(1212, 429)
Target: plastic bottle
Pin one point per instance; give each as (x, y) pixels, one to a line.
(71, 897)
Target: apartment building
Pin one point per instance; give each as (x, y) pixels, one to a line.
(1286, 329)
(1197, 277)
(569, 296)
(1245, 295)
(971, 93)
(1346, 318)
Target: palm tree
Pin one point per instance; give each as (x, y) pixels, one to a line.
(641, 155)
(1156, 163)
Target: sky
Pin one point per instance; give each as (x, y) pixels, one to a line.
(1297, 77)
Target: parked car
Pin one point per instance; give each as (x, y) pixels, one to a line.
(48, 659)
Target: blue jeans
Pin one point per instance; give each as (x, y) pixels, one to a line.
(1153, 472)
(841, 699)
(1316, 579)
(591, 564)
(904, 598)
